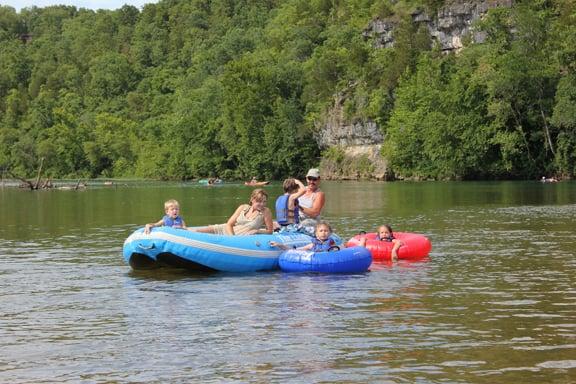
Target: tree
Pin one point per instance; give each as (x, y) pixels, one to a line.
(110, 150)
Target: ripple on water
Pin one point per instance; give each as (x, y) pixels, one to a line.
(457, 363)
(560, 364)
(514, 302)
(546, 347)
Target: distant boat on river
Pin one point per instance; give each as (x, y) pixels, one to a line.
(255, 183)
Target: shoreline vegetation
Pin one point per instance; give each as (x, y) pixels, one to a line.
(82, 184)
(40, 183)
(186, 90)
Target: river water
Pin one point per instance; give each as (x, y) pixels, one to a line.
(494, 303)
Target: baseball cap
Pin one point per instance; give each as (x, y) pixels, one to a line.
(313, 172)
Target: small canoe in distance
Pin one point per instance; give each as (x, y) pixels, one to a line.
(256, 183)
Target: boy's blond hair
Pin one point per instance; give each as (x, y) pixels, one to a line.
(170, 203)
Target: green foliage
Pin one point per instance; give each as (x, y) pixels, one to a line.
(110, 146)
(564, 114)
(335, 161)
(261, 116)
(564, 117)
(335, 155)
(185, 89)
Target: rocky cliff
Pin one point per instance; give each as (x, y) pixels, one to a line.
(362, 139)
(360, 142)
(448, 27)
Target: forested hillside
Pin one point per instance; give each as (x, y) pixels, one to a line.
(185, 89)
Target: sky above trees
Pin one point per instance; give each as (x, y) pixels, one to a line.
(91, 4)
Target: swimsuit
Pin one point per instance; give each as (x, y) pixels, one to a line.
(244, 225)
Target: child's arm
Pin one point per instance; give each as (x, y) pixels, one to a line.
(292, 198)
(306, 247)
(149, 226)
(301, 190)
(397, 244)
(279, 245)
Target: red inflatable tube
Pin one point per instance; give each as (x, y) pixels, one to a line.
(414, 246)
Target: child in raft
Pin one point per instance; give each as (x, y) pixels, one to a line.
(171, 219)
(321, 242)
(287, 210)
(385, 234)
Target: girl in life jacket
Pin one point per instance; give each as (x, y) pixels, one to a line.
(385, 234)
(321, 241)
(287, 212)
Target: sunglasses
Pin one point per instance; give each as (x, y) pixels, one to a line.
(311, 178)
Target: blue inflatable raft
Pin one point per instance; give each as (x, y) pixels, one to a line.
(347, 260)
(197, 251)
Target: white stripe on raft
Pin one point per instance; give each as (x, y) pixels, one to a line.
(214, 247)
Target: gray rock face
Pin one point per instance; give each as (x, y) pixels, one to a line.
(449, 26)
(358, 133)
(359, 139)
(335, 130)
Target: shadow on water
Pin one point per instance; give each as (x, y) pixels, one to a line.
(170, 274)
(388, 264)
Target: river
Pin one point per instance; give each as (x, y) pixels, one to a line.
(494, 303)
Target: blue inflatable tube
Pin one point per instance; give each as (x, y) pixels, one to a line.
(347, 260)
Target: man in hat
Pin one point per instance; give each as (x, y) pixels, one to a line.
(312, 201)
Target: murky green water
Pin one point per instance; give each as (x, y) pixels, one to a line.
(496, 302)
